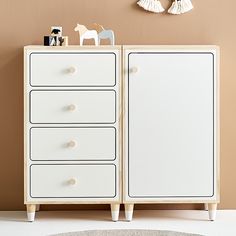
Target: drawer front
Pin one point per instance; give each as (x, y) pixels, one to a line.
(48, 107)
(73, 144)
(73, 69)
(73, 181)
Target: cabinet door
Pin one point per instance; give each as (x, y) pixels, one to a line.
(170, 124)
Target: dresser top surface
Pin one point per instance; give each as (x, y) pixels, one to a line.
(110, 47)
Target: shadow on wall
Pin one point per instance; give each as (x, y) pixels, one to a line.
(137, 207)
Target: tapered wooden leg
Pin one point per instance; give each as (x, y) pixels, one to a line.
(37, 207)
(212, 211)
(31, 212)
(129, 211)
(115, 209)
(206, 206)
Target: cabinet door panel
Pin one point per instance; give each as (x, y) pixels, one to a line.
(171, 125)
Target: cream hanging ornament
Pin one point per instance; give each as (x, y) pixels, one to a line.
(151, 5)
(180, 6)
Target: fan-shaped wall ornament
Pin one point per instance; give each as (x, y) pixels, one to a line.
(177, 7)
(151, 5)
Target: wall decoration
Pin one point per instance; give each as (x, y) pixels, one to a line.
(180, 6)
(177, 7)
(151, 5)
(104, 33)
(84, 33)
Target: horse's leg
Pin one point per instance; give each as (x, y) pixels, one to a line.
(81, 40)
(99, 40)
(96, 40)
(111, 40)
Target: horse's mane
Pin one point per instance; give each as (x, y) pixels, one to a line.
(81, 28)
(98, 27)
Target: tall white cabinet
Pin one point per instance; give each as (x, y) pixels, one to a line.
(72, 126)
(171, 126)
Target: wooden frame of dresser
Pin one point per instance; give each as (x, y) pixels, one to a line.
(115, 203)
(122, 125)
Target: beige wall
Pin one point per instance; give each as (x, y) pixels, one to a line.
(25, 22)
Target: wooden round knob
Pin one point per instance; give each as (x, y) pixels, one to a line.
(72, 144)
(71, 107)
(133, 69)
(72, 70)
(72, 181)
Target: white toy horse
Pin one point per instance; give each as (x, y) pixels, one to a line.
(84, 33)
(104, 34)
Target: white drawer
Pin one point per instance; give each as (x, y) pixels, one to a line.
(84, 106)
(73, 144)
(73, 69)
(73, 181)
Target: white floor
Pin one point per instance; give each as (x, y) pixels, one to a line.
(46, 223)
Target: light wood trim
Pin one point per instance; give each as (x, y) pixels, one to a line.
(212, 206)
(81, 202)
(72, 202)
(124, 124)
(167, 201)
(31, 208)
(115, 207)
(129, 207)
(37, 207)
(212, 211)
(218, 124)
(170, 47)
(72, 47)
(121, 123)
(25, 124)
(125, 47)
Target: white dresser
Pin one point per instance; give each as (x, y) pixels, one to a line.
(72, 126)
(144, 131)
(171, 142)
